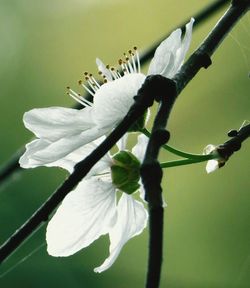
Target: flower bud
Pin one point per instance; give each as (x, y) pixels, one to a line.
(125, 172)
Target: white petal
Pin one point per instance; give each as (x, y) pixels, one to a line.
(210, 148)
(113, 100)
(170, 54)
(132, 219)
(26, 160)
(76, 156)
(182, 51)
(102, 68)
(160, 62)
(57, 122)
(84, 215)
(140, 147)
(212, 165)
(69, 161)
(54, 151)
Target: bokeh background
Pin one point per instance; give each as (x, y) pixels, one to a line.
(46, 46)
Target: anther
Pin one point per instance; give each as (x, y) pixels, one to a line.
(80, 82)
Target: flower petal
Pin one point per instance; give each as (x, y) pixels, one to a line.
(170, 54)
(113, 100)
(164, 53)
(140, 147)
(132, 219)
(212, 165)
(182, 51)
(69, 161)
(57, 122)
(84, 215)
(54, 151)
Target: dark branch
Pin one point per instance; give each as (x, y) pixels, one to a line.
(227, 149)
(12, 165)
(151, 171)
(151, 174)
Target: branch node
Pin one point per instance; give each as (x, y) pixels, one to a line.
(232, 133)
(205, 59)
(157, 85)
(161, 136)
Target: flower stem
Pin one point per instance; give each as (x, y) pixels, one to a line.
(182, 162)
(179, 152)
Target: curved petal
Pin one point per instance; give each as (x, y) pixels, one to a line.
(54, 151)
(140, 147)
(69, 161)
(113, 100)
(132, 219)
(84, 215)
(26, 160)
(164, 53)
(57, 122)
(212, 165)
(182, 51)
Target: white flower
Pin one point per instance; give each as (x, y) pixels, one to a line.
(91, 210)
(216, 163)
(62, 132)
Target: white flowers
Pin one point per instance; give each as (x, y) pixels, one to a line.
(91, 210)
(62, 131)
(66, 136)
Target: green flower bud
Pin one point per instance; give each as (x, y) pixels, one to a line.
(125, 172)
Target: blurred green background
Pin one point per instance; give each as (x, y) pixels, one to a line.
(46, 46)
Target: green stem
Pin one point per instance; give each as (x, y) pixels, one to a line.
(198, 157)
(175, 163)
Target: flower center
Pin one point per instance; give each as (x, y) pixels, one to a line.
(130, 64)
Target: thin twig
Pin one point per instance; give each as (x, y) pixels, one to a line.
(12, 165)
(151, 171)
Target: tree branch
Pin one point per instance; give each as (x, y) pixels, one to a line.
(12, 165)
(151, 171)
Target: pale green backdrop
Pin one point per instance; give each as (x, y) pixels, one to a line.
(46, 46)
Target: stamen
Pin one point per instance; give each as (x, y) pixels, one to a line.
(133, 59)
(87, 89)
(75, 96)
(92, 86)
(95, 82)
(138, 59)
(130, 68)
(114, 73)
